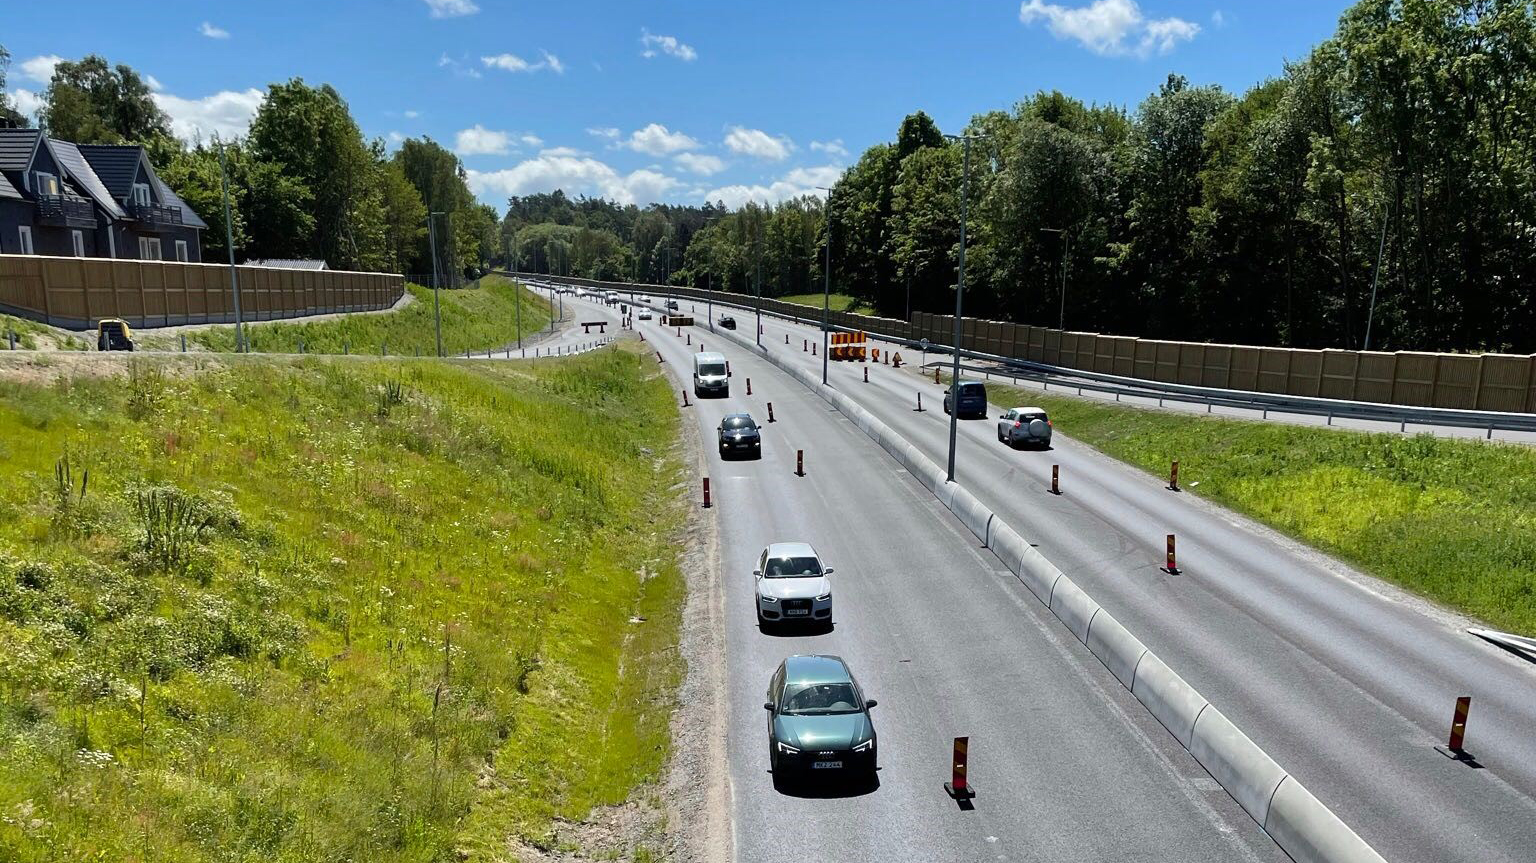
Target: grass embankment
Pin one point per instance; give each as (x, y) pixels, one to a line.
(328, 609)
(474, 319)
(838, 303)
(31, 336)
(1451, 520)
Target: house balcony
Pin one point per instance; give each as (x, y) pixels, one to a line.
(65, 211)
(156, 215)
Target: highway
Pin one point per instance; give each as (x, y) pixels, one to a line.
(1345, 681)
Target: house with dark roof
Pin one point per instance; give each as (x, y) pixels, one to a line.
(99, 201)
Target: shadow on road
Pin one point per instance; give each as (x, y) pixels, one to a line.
(826, 788)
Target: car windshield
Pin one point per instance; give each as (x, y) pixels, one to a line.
(819, 699)
(792, 567)
(972, 389)
(711, 369)
(739, 423)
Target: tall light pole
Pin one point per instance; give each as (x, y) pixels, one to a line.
(437, 314)
(229, 242)
(517, 294)
(1066, 258)
(826, 294)
(759, 247)
(954, 378)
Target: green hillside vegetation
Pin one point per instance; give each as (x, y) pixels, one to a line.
(838, 302)
(329, 608)
(474, 319)
(1451, 520)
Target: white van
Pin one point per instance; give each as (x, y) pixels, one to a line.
(709, 375)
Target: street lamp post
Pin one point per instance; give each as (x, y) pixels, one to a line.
(517, 294)
(229, 242)
(954, 377)
(759, 257)
(1066, 258)
(437, 315)
(826, 294)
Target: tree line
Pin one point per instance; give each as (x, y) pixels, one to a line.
(303, 181)
(1383, 188)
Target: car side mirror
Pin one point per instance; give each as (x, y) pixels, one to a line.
(828, 571)
(768, 705)
(757, 572)
(870, 703)
(757, 428)
(1002, 416)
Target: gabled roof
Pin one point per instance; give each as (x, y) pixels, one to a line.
(7, 190)
(171, 199)
(16, 148)
(116, 166)
(85, 178)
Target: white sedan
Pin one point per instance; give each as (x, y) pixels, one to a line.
(792, 585)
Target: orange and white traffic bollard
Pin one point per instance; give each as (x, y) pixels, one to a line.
(679, 332)
(799, 462)
(706, 492)
(805, 345)
(866, 374)
(935, 375)
(727, 367)
(813, 349)
(749, 386)
(919, 401)
(1172, 567)
(958, 786)
(1173, 476)
(690, 338)
(770, 411)
(1055, 479)
(1453, 747)
(685, 397)
(786, 338)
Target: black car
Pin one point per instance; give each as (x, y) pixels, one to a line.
(818, 720)
(671, 305)
(972, 398)
(740, 435)
(727, 322)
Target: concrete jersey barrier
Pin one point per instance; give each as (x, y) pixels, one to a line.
(1295, 819)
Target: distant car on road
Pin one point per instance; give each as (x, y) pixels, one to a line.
(645, 299)
(972, 398)
(645, 314)
(818, 720)
(728, 322)
(1019, 426)
(740, 434)
(792, 585)
(671, 305)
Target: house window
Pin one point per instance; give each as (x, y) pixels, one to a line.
(77, 240)
(47, 184)
(141, 194)
(149, 248)
(181, 251)
(26, 240)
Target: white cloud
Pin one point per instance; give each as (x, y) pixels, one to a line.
(798, 182)
(700, 164)
(451, 8)
(40, 69)
(514, 63)
(608, 132)
(226, 113)
(480, 141)
(757, 143)
(668, 45)
(212, 32)
(411, 115)
(462, 69)
(574, 175)
(833, 147)
(396, 137)
(656, 140)
(154, 83)
(531, 140)
(1218, 19)
(562, 151)
(26, 101)
(1110, 27)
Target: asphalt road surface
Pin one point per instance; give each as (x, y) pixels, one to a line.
(1346, 682)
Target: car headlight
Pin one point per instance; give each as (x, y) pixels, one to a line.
(786, 749)
(824, 597)
(766, 598)
(866, 746)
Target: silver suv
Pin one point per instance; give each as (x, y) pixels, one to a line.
(1021, 426)
(792, 585)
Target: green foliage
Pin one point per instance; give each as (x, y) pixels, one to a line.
(299, 630)
(1451, 520)
(91, 102)
(477, 318)
(9, 116)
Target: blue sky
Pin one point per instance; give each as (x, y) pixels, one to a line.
(669, 101)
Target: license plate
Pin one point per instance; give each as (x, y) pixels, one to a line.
(793, 611)
(826, 765)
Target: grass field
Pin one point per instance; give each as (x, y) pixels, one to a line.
(473, 319)
(838, 302)
(1451, 520)
(31, 336)
(329, 609)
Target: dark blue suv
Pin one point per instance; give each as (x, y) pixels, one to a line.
(972, 399)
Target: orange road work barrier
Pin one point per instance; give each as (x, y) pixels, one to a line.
(1173, 476)
(958, 786)
(919, 401)
(770, 411)
(866, 374)
(847, 346)
(895, 361)
(799, 462)
(1453, 747)
(685, 397)
(935, 375)
(706, 492)
(1173, 567)
(749, 386)
(786, 338)
(1055, 479)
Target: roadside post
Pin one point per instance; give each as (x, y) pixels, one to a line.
(1056, 480)
(959, 786)
(1453, 747)
(1172, 567)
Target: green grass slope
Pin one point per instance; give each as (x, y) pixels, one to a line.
(1451, 520)
(838, 302)
(474, 319)
(329, 609)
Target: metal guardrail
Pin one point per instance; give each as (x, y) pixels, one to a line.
(1403, 415)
